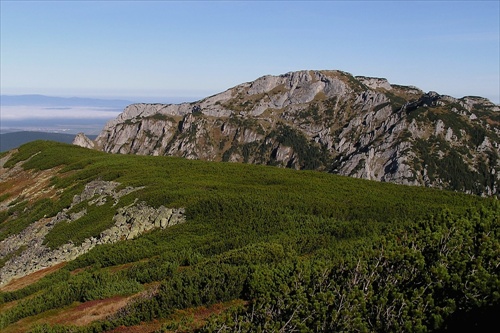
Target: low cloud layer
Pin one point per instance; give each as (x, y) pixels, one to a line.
(14, 113)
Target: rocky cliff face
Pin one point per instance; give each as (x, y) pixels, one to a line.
(325, 120)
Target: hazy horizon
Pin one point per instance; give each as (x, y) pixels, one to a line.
(72, 115)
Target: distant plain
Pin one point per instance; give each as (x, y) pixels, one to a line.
(70, 115)
(25, 118)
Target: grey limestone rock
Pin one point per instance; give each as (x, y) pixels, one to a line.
(83, 141)
(129, 222)
(353, 125)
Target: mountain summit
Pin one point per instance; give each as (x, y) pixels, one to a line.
(329, 121)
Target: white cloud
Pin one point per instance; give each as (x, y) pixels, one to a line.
(39, 112)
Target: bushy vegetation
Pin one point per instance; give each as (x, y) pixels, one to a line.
(98, 219)
(450, 165)
(85, 286)
(19, 216)
(303, 250)
(310, 155)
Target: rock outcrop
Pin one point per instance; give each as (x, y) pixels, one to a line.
(326, 120)
(129, 222)
(83, 141)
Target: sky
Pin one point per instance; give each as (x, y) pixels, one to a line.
(193, 49)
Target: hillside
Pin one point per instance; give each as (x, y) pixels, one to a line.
(13, 140)
(99, 242)
(326, 120)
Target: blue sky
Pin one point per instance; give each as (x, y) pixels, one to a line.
(197, 48)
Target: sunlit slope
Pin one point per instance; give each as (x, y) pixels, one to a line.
(275, 248)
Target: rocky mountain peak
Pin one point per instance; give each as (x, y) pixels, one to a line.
(325, 120)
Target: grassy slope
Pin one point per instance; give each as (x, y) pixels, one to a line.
(15, 139)
(238, 216)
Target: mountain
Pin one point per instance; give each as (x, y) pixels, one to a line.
(111, 239)
(330, 121)
(12, 140)
(98, 242)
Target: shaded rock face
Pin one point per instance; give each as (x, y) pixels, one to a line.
(330, 121)
(129, 222)
(83, 141)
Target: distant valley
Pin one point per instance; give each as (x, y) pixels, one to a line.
(53, 101)
(66, 115)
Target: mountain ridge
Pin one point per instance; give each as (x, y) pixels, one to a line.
(326, 120)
